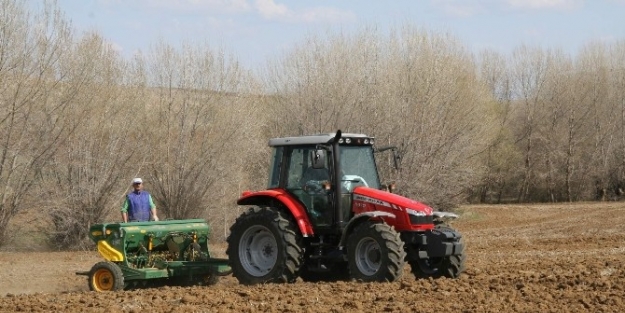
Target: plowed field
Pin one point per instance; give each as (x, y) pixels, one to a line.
(524, 258)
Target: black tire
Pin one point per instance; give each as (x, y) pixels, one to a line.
(375, 252)
(106, 276)
(264, 247)
(450, 266)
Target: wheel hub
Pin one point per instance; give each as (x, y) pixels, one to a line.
(368, 256)
(268, 250)
(258, 250)
(374, 255)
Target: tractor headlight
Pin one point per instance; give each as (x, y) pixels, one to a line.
(348, 140)
(415, 213)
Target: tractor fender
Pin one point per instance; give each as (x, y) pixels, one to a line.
(269, 197)
(359, 218)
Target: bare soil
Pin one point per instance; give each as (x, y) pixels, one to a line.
(521, 258)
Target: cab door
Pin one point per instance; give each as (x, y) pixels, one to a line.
(307, 184)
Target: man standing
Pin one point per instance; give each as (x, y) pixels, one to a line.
(138, 206)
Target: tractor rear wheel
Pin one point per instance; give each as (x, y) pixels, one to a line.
(375, 252)
(106, 276)
(449, 266)
(264, 246)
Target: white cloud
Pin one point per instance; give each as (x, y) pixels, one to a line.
(327, 14)
(458, 7)
(185, 5)
(546, 4)
(461, 8)
(267, 9)
(465, 8)
(271, 10)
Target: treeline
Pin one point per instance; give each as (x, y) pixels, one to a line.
(78, 121)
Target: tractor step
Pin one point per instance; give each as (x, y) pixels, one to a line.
(333, 255)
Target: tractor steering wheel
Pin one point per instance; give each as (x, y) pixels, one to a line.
(349, 182)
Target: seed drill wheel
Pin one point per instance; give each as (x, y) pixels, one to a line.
(450, 266)
(263, 247)
(106, 276)
(375, 253)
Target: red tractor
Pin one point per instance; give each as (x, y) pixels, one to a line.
(325, 216)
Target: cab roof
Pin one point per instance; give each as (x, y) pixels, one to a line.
(311, 139)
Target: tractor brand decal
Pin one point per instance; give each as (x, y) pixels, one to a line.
(397, 207)
(371, 200)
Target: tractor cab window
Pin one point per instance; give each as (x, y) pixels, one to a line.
(296, 166)
(358, 167)
(301, 170)
(274, 167)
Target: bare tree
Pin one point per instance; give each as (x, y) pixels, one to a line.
(613, 152)
(596, 77)
(77, 121)
(501, 155)
(415, 89)
(529, 74)
(445, 115)
(564, 122)
(585, 129)
(324, 84)
(35, 99)
(89, 174)
(199, 122)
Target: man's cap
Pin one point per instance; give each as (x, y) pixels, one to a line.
(137, 181)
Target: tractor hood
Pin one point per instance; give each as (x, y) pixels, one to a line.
(391, 200)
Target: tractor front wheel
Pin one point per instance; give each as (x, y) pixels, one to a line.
(449, 266)
(375, 253)
(106, 276)
(264, 247)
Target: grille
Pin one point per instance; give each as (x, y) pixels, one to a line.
(429, 219)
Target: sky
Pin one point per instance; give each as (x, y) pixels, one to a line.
(257, 30)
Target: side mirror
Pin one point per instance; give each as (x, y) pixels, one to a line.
(396, 155)
(318, 158)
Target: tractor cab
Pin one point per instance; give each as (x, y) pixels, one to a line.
(310, 169)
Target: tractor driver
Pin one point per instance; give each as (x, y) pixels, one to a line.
(312, 179)
(139, 206)
(312, 182)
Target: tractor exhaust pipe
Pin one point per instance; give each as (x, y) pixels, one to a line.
(338, 213)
